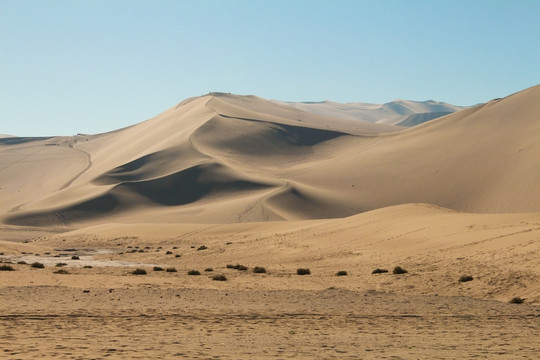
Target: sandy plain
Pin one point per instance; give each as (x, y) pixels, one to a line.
(224, 180)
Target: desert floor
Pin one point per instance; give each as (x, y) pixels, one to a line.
(104, 311)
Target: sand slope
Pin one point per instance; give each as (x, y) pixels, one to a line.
(397, 112)
(228, 158)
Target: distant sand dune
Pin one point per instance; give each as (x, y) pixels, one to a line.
(288, 164)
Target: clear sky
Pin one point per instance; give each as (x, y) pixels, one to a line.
(84, 66)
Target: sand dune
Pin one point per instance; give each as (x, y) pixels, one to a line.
(397, 112)
(207, 149)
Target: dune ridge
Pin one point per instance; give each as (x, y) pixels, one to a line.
(282, 161)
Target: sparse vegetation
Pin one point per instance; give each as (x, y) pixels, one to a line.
(259, 270)
(466, 278)
(61, 271)
(60, 264)
(194, 272)
(168, 253)
(379, 271)
(302, 271)
(139, 272)
(37, 265)
(87, 267)
(219, 278)
(517, 300)
(342, 273)
(202, 247)
(171, 269)
(21, 262)
(177, 255)
(208, 269)
(240, 267)
(399, 270)
(6, 268)
(230, 266)
(157, 268)
(75, 257)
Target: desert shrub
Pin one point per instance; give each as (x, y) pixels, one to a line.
(193, 272)
(240, 267)
(171, 269)
(75, 257)
(259, 270)
(379, 271)
(230, 266)
(6, 268)
(168, 253)
(208, 269)
(61, 271)
(157, 268)
(177, 255)
(466, 278)
(139, 272)
(37, 265)
(60, 264)
(21, 262)
(517, 300)
(87, 267)
(219, 278)
(302, 271)
(175, 247)
(202, 247)
(399, 270)
(341, 273)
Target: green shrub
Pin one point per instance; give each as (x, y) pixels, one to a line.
(139, 272)
(399, 270)
(302, 271)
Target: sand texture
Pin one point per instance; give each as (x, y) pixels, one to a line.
(222, 184)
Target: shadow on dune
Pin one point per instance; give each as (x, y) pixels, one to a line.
(21, 140)
(180, 188)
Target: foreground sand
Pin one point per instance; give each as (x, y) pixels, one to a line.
(148, 322)
(105, 311)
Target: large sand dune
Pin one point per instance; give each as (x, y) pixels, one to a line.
(263, 160)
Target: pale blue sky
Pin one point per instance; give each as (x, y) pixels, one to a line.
(78, 66)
